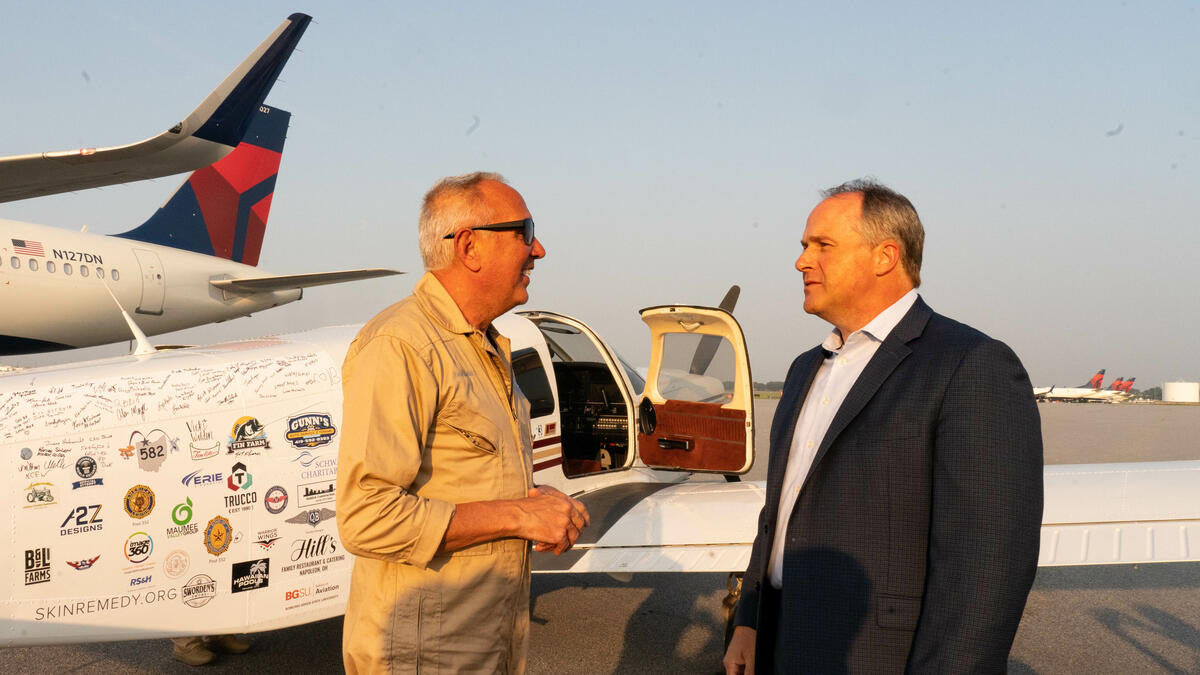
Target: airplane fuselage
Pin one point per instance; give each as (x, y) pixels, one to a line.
(48, 273)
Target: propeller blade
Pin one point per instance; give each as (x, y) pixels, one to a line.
(706, 349)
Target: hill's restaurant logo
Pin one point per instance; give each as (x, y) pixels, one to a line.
(310, 430)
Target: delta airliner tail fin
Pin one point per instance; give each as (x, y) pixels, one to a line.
(1096, 382)
(1117, 385)
(221, 210)
(1128, 388)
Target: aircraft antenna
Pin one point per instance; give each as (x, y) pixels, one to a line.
(144, 347)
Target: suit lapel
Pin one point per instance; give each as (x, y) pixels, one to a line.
(891, 352)
(789, 405)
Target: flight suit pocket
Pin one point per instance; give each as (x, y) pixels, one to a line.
(898, 612)
(475, 438)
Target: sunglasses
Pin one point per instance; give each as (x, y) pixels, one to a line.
(526, 226)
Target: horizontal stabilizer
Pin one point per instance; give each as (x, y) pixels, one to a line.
(290, 281)
(209, 133)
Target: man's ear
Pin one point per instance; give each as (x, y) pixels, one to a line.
(887, 257)
(466, 250)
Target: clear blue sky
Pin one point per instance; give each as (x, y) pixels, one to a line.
(668, 150)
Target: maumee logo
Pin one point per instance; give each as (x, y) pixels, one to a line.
(139, 501)
(311, 430)
(250, 575)
(198, 590)
(247, 437)
(182, 516)
(85, 468)
(37, 566)
(203, 444)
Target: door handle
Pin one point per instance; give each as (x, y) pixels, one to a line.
(684, 444)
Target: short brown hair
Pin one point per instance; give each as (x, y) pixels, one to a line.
(887, 214)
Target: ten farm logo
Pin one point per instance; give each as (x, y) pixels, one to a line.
(248, 437)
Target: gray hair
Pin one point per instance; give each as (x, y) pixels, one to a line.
(450, 205)
(887, 214)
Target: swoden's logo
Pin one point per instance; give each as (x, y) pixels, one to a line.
(250, 575)
(37, 566)
(203, 444)
(198, 590)
(247, 437)
(311, 430)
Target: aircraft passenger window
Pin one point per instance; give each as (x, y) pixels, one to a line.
(116, 276)
(100, 272)
(531, 378)
(32, 265)
(16, 263)
(697, 368)
(67, 269)
(83, 270)
(50, 266)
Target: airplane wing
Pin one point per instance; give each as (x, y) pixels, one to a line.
(290, 281)
(209, 133)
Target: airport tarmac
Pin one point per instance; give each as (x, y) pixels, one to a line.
(1118, 619)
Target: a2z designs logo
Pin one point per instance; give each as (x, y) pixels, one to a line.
(82, 519)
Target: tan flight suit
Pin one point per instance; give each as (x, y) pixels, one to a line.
(431, 419)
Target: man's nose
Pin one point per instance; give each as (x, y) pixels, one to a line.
(538, 250)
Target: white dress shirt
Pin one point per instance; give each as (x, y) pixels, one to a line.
(843, 363)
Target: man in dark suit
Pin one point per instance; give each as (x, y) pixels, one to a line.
(904, 491)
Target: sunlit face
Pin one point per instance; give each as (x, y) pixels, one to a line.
(507, 260)
(837, 262)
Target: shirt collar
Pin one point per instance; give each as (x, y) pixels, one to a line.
(880, 327)
(440, 307)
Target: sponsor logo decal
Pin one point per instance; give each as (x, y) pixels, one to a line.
(182, 516)
(198, 590)
(250, 575)
(217, 536)
(140, 581)
(240, 478)
(85, 468)
(203, 444)
(267, 538)
(82, 519)
(198, 478)
(315, 493)
(312, 517)
(311, 555)
(309, 595)
(139, 501)
(176, 564)
(138, 547)
(315, 466)
(247, 437)
(276, 499)
(26, 453)
(310, 430)
(239, 481)
(108, 604)
(37, 566)
(150, 449)
(39, 494)
(84, 564)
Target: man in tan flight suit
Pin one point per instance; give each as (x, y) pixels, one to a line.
(434, 490)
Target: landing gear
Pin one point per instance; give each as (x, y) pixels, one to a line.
(734, 584)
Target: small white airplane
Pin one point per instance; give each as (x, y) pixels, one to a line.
(193, 262)
(1092, 392)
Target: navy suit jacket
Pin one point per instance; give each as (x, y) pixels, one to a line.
(914, 539)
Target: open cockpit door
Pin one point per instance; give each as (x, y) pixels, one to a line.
(595, 391)
(697, 411)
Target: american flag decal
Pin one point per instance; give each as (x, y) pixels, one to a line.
(28, 247)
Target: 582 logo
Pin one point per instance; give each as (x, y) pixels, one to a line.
(82, 519)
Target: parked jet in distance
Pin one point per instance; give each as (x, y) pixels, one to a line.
(1093, 391)
(194, 261)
